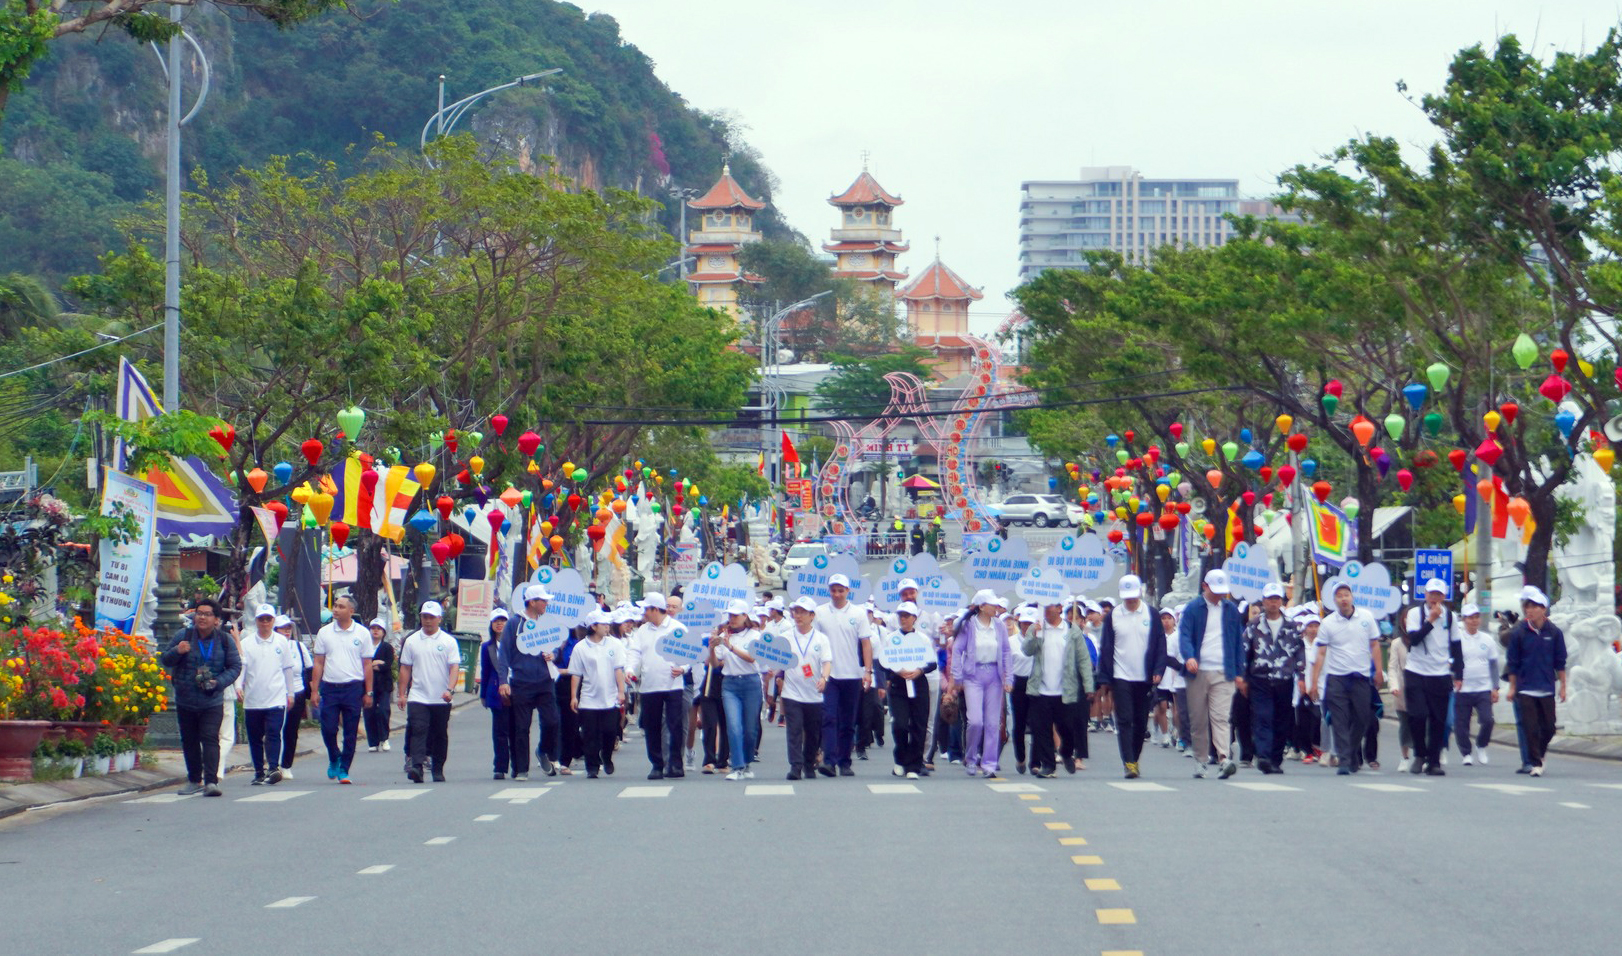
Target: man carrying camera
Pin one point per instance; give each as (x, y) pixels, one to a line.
(202, 661)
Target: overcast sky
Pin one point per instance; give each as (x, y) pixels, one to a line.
(958, 102)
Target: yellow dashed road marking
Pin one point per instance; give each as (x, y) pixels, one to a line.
(1072, 841)
(1057, 826)
(1116, 917)
(1041, 809)
(1030, 796)
(1087, 860)
(1101, 885)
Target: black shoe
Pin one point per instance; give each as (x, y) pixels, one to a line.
(212, 790)
(439, 777)
(672, 775)
(591, 775)
(861, 755)
(1264, 765)
(414, 775)
(192, 788)
(1069, 765)
(656, 774)
(257, 781)
(549, 768)
(1435, 770)
(793, 774)
(1418, 767)
(1020, 767)
(274, 777)
(608, 768)
(1525, 768)
(500, 776)
(846, 772)
(828, 770)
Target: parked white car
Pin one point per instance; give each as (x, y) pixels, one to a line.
(1040, 510)
(801, 555)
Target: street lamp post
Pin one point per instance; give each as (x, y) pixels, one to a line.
(681, 196)
(771, 393)
(446, 117)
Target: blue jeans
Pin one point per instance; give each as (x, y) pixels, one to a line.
(740, 699)
(341, 703)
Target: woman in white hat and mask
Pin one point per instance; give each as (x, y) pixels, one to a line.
(730, 650)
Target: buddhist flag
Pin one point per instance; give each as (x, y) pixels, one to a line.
(395, 490)
(761, 468)
(1331, 533)
(537, 541)
(191, 500)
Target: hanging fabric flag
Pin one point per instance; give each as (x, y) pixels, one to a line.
(1331, 533)
(191, 499)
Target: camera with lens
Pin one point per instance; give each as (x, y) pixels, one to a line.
(205, 678)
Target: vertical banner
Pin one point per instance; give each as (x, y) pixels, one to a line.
(121, 587)
(475, 600)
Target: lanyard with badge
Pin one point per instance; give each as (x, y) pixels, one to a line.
(801, 650)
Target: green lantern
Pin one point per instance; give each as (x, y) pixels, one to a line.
(351, 420)
(475, 438)
(1330, 403)
(1230, 450)
(580, 475)
(1394, 425)
(1121, 455)
(1525, 351)
(1438, 373)
(1182, 449)
(1433, 424)
(1351, 508)
(526, 497)
(654, 507)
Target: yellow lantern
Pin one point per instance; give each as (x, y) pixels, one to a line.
(546, 527)
(301, 495)
(1459, 503)
(568, 469)
(476, 465)
(1605, 458)
(321, 507)
(425, 474)
(533, 468)
(1283, 423)
(1209, 445)
(1163, 492)
(1492, 420)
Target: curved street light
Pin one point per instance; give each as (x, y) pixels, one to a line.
(446, 117)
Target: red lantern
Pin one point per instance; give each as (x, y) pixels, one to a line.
(1286, 475)
(1489, 451)
(1558, 358)
(368, 480)
(312, 450)
(1267, 500)
(574, 502)
(1145, 519)
(1405, 479)
(1176, 431)
(528, 442)
(1129, 436)
(556, 541)
(1333, 388)
(444, 504)
(1555, 389)
(1509, 410)
(225, 435)
(450, 441)
(457, 542)
(1266, 471)
(1209, 531)
(1249, 498)
(441, 550)
(1168, 521)
(495, 517)
(279, 510)
(595, 533)
(676, 510)
(1116, 536)
(1297, 442)
(340, 533)
(1184, 507)
(499, 423)
(1456, 458)
(1321, 490)
(462, 477)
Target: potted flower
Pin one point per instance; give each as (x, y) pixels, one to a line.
(102, 751)
(126, 755)
(70, 757)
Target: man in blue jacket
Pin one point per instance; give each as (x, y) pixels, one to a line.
(1210, 640)
(1536, 659)
(202, 661)
(527, 684)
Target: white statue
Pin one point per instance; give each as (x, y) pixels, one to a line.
(1584, 564)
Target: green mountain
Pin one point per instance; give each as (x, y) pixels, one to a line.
(82, 144)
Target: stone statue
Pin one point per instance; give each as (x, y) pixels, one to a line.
(1584, 564)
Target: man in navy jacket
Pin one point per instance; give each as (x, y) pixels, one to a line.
(1211, 641)
(1536, 660)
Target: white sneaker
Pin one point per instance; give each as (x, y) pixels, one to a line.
(371, 750)
(911, 775)
(1537, 771)
(1404, 764)
(287, 774)
(690, 761)
(896, 770)
(736, 775)
(1444, 758)
(1467, 761)
(1482, 753)
(748, 775)
(385, 746)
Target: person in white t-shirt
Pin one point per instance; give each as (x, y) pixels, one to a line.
(731, 649)
(1475, 683)
(802, 689)
(1348, 650)
(343, 683)
(429, 665)
(270, 678)
(850, 638)
(598, 664)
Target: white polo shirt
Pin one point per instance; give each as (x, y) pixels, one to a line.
(1480, 661)
(1431, 657)
(845, 628)
(731, 664)
(1347, 639)
(1132, 641)
(595, 663)
(346, 650)
(1016, 652)
(813, 651)
(642, 658)
(270, 671)
(1052, 651)
(430, 657)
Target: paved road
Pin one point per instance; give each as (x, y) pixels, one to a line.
(1481, 860)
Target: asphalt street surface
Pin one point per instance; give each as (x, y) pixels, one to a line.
(1480, 860)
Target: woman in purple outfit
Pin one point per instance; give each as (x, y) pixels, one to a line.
(983, 671)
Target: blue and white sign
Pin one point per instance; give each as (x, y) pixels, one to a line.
(1371, 588)
(699, 614)
(1044, 586)
(940, 593)
(1000, 566)
(570, 601)
(1084, 563)
(543, 636)
(1250, 568)
(775, 651)
(720, 585)
(905, 652)
(1433, 563)
(915, 567)
(683, 645)
(121, 589)
(812, 580)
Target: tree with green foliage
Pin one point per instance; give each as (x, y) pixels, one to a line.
(857, 389)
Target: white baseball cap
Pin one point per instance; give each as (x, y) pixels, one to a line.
(1469, 610)
(379, 622)
(654, 601)
(838, 579)
(282, 620)
(775, 604)
(1272, 589)
(1435, 586)
(738, 607)
(1092, 606)
(1028, 615)
(499, 614)
(805, 604)
(264, 610)
(1131, 586)
(432, 607)
(907, 607)
(537, 592)
(1217, 580)
(983, 596)
(1533, 595)
(1000, 601)
(907, 583)
(598, 616)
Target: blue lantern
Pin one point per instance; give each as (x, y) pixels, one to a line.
(703, 500)
(1244, 435)
(506, 525)
(1309, 467)
(423, 520)
(1112, 439)
(1565, 421)
(283, 472)
(1052, 482)
(1253, 459)
(1416, 395)
(470, 514)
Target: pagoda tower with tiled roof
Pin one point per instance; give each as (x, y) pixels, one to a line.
(937, 305)
(866, 241)
(726, 223)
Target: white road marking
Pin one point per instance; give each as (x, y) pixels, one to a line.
(1577, 806)
(1513, 789)
(161, 798)
(1016, 788)
(893, 788)
(274, 796)
(518, 793)
(288, 903)
(1390, 788)
(438, 841)
(487, 818)
(1608, 786)
(1141, 786)
(168, 945)
(769, 790)
(398, 794)
(1263, 786)
(375, 870)
(639, 792)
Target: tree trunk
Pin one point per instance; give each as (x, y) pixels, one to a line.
(1535, 567)
(1368, 493)
(369, 572)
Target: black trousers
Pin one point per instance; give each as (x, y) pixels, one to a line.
(571, 727)
(909, 719)
(200, 742)
(664, 729)
(428, 734)
(1072, 726)
(1239, 719)
(1308, 726)
(527, 701)
(1132, 701)
(1019, 702)
(264, 732)
(1426, 701)
(1537, 718)
(290, 729)
(870, 725)
(716, 748)
(1347, 698)
(598, 729)
(376, 717)
(803, 731)
(501, 740)
(1271, 716)
(1046, 713)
